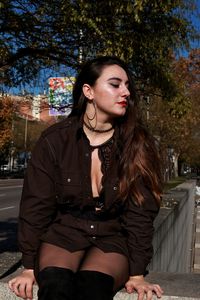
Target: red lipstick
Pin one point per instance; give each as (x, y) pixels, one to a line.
(122, 103)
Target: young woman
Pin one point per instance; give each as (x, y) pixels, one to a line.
(90, 195)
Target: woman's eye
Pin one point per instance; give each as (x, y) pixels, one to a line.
(115, 85)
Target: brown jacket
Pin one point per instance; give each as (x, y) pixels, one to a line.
(57, 204)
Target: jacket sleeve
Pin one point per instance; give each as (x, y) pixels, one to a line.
(38, 201)
(138, 224)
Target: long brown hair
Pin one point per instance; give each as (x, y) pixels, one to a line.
(138, 153)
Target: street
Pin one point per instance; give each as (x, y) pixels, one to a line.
(10, 194)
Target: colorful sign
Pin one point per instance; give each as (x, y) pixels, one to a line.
(60, 95)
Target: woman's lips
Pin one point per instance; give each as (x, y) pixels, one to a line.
(122, 103)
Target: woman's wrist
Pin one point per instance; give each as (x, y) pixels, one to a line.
(136, 277)
(28, 271)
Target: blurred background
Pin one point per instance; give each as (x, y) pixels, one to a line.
(44, 43)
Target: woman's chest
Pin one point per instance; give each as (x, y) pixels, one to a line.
(83, 175)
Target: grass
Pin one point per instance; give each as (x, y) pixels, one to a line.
(172, 183)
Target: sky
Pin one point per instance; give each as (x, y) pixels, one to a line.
(196, 22)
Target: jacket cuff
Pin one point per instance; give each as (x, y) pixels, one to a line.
(28, 261)
(136, 268)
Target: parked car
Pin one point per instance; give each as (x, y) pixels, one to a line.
(197, 202)
(5, 168)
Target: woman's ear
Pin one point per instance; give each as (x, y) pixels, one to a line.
(88, 91)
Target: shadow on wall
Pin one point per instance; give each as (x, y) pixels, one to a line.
(8, 243)
(8, 236)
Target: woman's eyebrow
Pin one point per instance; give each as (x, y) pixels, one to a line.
(118, 79)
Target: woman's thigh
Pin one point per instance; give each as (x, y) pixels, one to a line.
(53, 256)
(112, 263)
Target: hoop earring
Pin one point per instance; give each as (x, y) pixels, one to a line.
(88, 118)
(94, 117)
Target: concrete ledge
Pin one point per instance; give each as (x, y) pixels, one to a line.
(176, 286)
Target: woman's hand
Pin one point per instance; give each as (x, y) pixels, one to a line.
(142, 287)
(22, 285)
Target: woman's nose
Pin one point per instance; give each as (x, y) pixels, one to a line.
(125, 91)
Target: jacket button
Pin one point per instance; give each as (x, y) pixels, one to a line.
(92, 226)
(94, 237)
(86, 154)
(68, 179)
(115, 188)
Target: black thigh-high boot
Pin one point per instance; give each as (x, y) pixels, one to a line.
(93, 285)
(56, 283)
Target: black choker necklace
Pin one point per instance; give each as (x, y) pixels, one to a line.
(97, 130)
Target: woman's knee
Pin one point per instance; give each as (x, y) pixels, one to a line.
(111, 263)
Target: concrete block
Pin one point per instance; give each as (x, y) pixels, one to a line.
(175, 286)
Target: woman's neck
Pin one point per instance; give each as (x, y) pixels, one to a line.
(97, 123)
(98, 134)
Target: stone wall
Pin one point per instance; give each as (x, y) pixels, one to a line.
(173, 238)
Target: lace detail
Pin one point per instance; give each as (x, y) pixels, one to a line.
(105, 151)
(105, 154)
(99, 203)
(103, 144)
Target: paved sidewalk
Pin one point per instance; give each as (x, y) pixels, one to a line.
(10, 182)
(197, 242)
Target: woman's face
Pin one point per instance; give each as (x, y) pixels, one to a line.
(110, 92)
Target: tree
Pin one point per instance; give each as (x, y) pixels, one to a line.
(6, 113)
(26, 126)
(191, 74)
(177, 122)
(24, 138)
(37, 34)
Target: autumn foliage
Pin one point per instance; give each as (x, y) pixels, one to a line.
(177, 122)
(6, 114)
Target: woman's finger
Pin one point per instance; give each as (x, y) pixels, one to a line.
(157, 290)
(11, 282)
(140, 293)
(149, 295)
(15, 288)
(129, 287)
(29, 290)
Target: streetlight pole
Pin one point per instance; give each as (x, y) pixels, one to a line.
(81, 47)
(11, 150)
(25, 141)
(148, 103)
